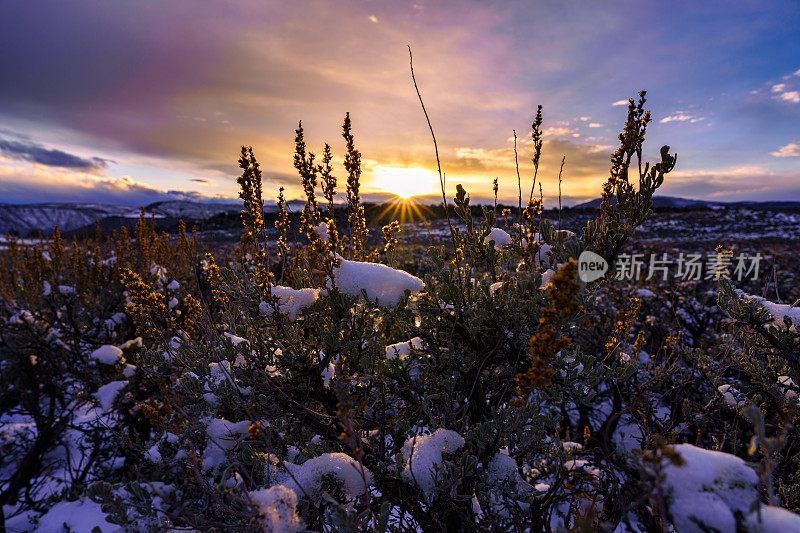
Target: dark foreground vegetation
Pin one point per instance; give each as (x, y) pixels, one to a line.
(149, 382)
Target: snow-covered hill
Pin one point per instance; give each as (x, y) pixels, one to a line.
(185, 210)
(664, 202)
(24, 219)
(673, 202)
(28, 218)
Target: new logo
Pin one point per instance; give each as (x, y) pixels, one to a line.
(591, 266)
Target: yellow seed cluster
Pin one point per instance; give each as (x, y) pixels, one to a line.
(329, 191)
(146, 305)
(390, 232)
(625, 321)
(282, 225)
(546, 342)
(192, 315)
(250, 193)
(304, 163)
(355, 211)
(219, 298)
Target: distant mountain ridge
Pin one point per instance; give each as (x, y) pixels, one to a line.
(673, 202)
(28, 218)
(25, 219)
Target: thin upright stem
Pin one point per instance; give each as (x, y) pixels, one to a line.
(533, 185)
(519, 180)
(435, 147)
(563, 160)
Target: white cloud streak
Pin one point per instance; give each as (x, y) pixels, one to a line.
(790, 150)
(791, 96)
(681, 116)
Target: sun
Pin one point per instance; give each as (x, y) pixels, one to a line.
(405, 182)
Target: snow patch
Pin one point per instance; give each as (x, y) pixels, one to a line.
(290, 301)
(222, 436)
(494, 287)
(787, 385)
(153, 454)
(108, 354)
(403, 349)
(421, 453)
(108, 393)
(543, 255)
(80, 516)
(546, 275)
(501, 468)
(66, 289)
(322, 230)
(306, 479)
(236, 340)
(771, 519)
(777, 311)
(115, 320)
(500, 237)
(277, 509)
(708, 489)
(328, 374)
(380, 282)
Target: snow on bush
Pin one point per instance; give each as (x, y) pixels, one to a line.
(153, 454)
(500, 237)
(403, 349)
(115, 320)
(770, 519)
(328, 374)
(270, 474)
(543, 255)
(729, 394)
(501, 468)
(108, 354)
(234, 339)
(159, 272)
(107, 393)
(80, 516)
(66, 289)
(546, 275)
(24, 316)
(383, 284)
(422, 452)
(787, 385)
(306, 479)
(502, 471)
(706, 492)
(222, 436)
(777, 311)
(221, 372)
(290, 301)
(322, 230)
(494, 287)
(277, 509)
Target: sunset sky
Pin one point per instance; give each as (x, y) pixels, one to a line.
(134, 102)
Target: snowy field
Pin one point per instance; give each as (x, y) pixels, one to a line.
(647, 420)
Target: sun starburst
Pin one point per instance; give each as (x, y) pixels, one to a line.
(405, 182)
